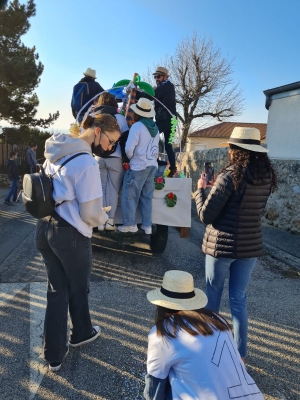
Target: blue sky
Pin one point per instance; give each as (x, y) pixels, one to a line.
(118, 38)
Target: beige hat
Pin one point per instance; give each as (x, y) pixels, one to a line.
(246, 138)
(143, 108)
(177, 292)
(161, 70)
(90, 72)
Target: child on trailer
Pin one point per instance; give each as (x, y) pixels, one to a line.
(138, 185)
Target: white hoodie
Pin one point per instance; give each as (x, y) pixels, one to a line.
(78, 183)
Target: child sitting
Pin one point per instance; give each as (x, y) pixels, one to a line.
(138, 185)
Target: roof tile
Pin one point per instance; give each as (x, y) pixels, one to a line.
(224, 130)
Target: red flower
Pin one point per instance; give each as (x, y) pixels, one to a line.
(126, 166)
(170, 196)
(159, 180)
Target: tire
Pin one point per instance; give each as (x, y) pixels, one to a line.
(158, 241)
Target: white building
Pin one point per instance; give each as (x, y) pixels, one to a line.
(283, 129)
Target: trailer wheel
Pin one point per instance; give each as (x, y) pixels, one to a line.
(158, 241)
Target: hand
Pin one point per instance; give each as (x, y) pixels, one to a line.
(202, 182)
(106, 209)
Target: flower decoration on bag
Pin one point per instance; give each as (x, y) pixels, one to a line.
(174, 123)
(159, 183)
(171, 199)
(75, 130)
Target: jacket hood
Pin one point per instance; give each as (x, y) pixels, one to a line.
(150, 125)
(106, 110)
(60, 145)
(8, 162)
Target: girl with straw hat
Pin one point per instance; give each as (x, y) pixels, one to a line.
(191, 351)
(232, 212)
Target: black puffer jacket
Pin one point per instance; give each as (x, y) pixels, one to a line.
(233, 217)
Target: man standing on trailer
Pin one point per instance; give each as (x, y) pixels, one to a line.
(165, 93)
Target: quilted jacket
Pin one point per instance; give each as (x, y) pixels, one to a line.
(233, 217)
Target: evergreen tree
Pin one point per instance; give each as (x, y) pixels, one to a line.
(20, 69)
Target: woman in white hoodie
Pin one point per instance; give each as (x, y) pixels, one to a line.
(64, 239)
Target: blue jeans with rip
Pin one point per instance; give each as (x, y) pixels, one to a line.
(216, 270)
(138, 188)
(13, 191)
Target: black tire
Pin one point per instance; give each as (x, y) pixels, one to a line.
(158, 241)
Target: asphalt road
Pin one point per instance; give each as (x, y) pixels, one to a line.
(113, 367)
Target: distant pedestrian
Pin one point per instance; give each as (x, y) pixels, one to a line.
(191, 351)
(31, 158)
(232, 212)
(12, 174)
(84, 91)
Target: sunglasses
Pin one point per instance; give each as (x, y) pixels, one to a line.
(111, 142)
(157, 76)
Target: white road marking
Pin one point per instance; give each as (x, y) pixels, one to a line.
(38, 367)
(37, 302)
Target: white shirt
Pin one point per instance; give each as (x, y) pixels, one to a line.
(77, 182)
(201, 367)
(141, 148)
(121, 120)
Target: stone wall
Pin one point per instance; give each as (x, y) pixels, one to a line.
(4, 182)
(283, 207)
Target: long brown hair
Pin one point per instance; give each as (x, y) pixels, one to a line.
(242, 158)
(103, 121)
(204, 322)
(107, 99)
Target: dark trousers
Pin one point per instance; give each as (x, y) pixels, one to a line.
(169, 149)
(67, 255)
(13, 191)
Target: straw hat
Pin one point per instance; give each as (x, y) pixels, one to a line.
(246, 138)
(177, 292)
(90, 72)
(143, 108)
(161, 70)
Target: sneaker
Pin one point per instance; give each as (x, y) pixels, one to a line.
(16, 201)
(101, 228)
(110, 226)
(130, 228)
(172, 172)
(56, 366)
(8, 203)
(96, 332)
(147, 229)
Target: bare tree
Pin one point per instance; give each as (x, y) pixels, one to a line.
(204, 86)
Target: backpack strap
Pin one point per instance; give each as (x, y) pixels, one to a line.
(63, 164)
(66, 162)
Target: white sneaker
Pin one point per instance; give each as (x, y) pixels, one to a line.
(130, 228)
(147, 229)
(110, 226)
(101, 228)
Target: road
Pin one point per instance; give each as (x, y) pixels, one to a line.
(113, 367)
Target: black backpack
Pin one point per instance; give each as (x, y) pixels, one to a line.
(38, 189)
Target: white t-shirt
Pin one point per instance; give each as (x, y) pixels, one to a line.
(77, 182)
(201, 367)
(141, 148)
(121, 120)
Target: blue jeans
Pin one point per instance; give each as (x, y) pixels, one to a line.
(216, 270)
(138, 188)
(67, 255)
(13, 191)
